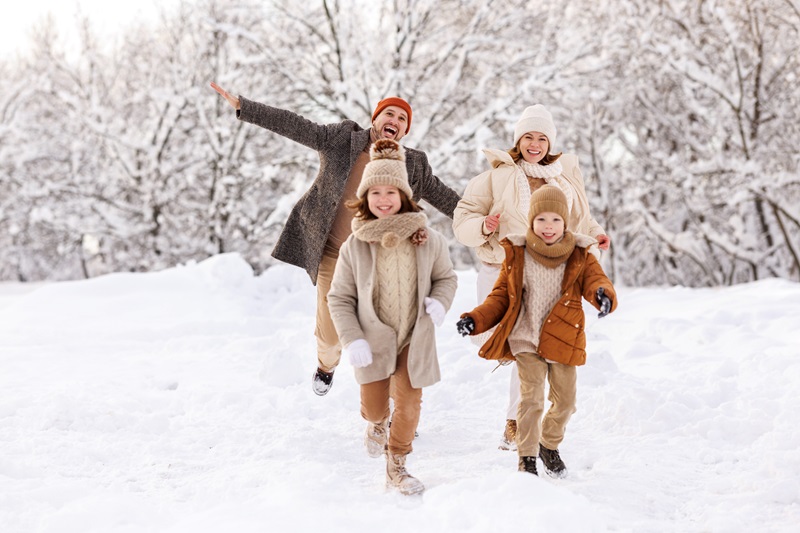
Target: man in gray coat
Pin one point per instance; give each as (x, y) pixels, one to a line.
(320, 221)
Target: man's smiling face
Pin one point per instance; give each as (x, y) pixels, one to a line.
(391, 123)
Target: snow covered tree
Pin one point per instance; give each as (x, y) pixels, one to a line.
(684, 115)
(710, 186)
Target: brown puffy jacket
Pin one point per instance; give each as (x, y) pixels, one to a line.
(562, 338)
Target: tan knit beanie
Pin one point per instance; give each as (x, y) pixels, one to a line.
(387, 166)
(548, 198)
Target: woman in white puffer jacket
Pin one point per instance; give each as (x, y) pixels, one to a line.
(495, 204)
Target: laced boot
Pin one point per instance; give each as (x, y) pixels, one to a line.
(376, 438)
(528, 464)
(552, 462)
(398, 477)
(322, 382)
(509, 439)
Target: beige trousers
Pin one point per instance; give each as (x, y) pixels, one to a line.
(563, 391)
(407, 405)
(329, 351)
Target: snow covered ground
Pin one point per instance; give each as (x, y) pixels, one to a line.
(180, 401)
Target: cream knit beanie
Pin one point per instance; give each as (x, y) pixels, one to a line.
(536, 118)
(387, 166)
(548, 199)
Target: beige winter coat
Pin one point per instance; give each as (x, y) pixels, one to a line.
(354, 316)
(497, 191)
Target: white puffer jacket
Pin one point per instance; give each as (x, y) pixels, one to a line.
(504, 189)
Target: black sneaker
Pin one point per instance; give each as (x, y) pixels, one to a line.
(528, 464)
(552, 462)
(322, 382)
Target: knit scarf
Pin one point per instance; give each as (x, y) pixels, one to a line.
(389, 231)
(535, 170)
(553, 255)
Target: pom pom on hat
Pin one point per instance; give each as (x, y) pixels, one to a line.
(387, 166)
(548, 199)
(536, 118)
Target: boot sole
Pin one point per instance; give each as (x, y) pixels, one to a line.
(507, 446)
(553, 474)
(414, 492)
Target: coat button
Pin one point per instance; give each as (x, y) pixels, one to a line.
(511, 295)
(577, 325)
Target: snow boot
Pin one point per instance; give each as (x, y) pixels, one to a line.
(322, 382)
(528, 464)
(552, 462)
(398, 477)
(376, 438)
(509, 439)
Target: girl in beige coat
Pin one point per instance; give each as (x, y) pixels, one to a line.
(393, 281)
(495, 205)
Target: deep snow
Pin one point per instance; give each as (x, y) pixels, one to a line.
(180, 401)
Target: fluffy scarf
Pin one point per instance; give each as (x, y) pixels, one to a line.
(391, 230)
(553, 255)
(535, 170)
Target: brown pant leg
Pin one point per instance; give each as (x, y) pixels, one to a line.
(375, 401)
(329, 351)
(532, 373)
(407, 407)
(563, 397)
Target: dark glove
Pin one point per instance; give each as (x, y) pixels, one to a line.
(465, 326)
(604, 301)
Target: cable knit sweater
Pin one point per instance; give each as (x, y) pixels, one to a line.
(541, 289)
(395, 296)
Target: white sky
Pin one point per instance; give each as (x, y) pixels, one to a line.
(19, 17)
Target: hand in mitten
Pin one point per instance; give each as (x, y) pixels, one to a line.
(435, 309)
(465, 326)
(419, 237)
(358, 353)
(604, 301)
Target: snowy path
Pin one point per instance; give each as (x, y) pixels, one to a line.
(180, 401)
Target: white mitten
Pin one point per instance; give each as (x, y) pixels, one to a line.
(434, 308)
(358, 353)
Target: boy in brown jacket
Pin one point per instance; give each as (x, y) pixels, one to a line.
(536, 305)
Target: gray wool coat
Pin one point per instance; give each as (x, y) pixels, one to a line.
(303, 238)
(355, 317)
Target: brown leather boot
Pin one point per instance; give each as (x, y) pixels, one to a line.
(398, 477)
(376, 438)
(509, 439)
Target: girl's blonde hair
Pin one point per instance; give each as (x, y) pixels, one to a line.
(361, 206)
